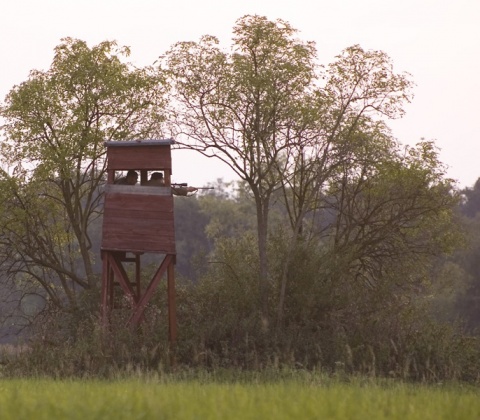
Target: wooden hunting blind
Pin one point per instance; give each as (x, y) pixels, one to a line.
(138, 219)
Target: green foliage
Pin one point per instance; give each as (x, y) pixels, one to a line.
(220, 310)
(332, 320)
(466, 260)
(60, 118)
(55, 125)
(240, 107)
(324, 257)
(468, 285)
(75, 344)
(204, 218)
(263, 111)
(471, 203)
(192, 245)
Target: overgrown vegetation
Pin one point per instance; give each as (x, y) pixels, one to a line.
(339, 251)
(339, 331)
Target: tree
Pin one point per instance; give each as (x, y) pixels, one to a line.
(264, 111)
(239, 107)
(394, 212)
(471, 203)
(55, 125)
(341, 119)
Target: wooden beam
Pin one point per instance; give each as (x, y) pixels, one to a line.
(122, 277)
(105, 288)
(172, 312)
(143, 301)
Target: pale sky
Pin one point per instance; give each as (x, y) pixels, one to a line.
(437, 41)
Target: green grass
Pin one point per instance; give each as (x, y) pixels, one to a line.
(208, 399)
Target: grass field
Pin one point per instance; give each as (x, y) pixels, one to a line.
(289, 398)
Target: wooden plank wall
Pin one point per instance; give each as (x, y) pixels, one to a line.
(138, 223)
(144, 157)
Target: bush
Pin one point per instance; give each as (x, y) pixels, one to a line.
(332, 322)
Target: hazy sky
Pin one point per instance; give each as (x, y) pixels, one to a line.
(437, 41)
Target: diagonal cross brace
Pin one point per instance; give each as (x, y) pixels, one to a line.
(145, 298)
(122, 277)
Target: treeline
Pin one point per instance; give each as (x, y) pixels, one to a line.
(339, 249)
(422, 328)
(203, 219)
(466, 262)
(421, 322)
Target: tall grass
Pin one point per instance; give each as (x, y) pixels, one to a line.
(204, 397)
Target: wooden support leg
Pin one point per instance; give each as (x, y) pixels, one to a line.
(122, 277)
(112, 269)
(111, 288)
(137, 276)
(105, 289)
(172, 313)
(147, 295)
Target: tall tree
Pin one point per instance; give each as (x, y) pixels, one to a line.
(239, 107)
(55, 125)
(341, 117)
(361, 91)
(263, 111)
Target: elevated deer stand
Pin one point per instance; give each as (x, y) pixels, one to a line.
(138, 219)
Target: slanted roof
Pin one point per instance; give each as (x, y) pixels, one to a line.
(145, 142)
(139, 154)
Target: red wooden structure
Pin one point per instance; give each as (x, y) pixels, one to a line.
(138, 219)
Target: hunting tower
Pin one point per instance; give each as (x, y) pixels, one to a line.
(138, 219)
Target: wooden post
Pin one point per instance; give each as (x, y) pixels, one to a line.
(105, 290)
(172, 313)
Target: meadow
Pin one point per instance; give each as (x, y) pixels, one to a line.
(301, 397)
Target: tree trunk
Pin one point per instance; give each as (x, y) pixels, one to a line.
(262, 234)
